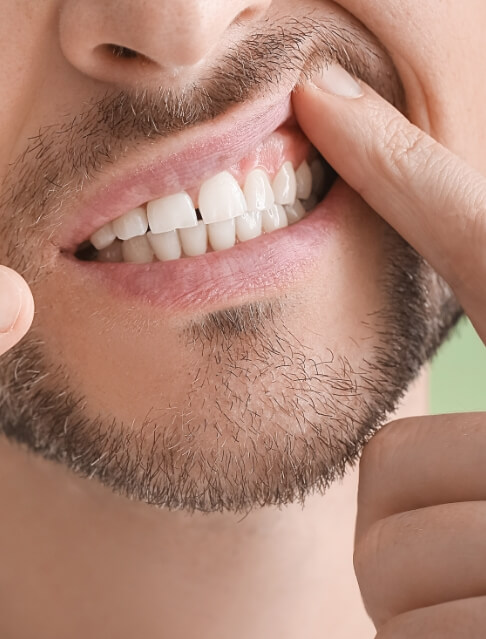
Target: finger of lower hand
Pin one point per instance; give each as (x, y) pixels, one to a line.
(421, 461)
(430, 196)
(16, 308)
(451, 620)
(422, 558)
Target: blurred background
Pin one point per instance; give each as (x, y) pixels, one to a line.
(458, 380)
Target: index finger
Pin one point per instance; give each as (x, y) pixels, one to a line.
(429, 195)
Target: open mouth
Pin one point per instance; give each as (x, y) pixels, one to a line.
(239, 209)
(244, 191)
(223, 214)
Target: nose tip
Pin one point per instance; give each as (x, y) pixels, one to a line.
(128, 42)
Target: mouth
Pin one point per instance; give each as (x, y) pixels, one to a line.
(162, 235)
(223, 214)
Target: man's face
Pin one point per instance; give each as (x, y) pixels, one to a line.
(238, 376)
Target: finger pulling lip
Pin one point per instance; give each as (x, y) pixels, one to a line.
(213, 148)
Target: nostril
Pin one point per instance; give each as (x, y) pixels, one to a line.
(121, 52)
(110, 51)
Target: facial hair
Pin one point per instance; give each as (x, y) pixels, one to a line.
(281, 421)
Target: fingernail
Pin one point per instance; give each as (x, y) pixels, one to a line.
(335, 80)
(10, 300)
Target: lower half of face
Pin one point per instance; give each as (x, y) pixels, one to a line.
(253, 399)
(238, 361)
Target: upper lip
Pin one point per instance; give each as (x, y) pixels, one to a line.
(174, 164)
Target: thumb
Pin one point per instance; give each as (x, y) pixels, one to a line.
(16, 308)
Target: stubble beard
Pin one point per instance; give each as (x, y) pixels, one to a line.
(273, 420)
(269, 422)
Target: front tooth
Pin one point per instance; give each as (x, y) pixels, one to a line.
(258, 191)
(295, 212)
(222, 234)
(131, 224)
(172, 212)
(285, 184)
(103, 237)
(137, 249)
(194, 240)
(303, 176)
(166, 246)
(221, 198)
(274, 218)
(249, 226)
(112, 253)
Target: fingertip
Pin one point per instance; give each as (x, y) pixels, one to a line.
(16, 308)
(335, 80)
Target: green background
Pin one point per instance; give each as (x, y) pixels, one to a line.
(458, 380)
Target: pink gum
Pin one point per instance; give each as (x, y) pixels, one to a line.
(287, 144)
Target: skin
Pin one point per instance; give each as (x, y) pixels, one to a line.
(137, 570)
(109, 347)
(420, 526)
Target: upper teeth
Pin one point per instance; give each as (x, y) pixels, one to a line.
(221, 201)
(285, 185)
(258, 191)
(171, 212)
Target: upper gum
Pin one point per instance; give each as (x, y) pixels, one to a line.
(284, 145)
(287, 143)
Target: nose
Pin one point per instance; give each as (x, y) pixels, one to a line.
(129, 42)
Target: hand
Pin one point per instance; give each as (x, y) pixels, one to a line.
(16, 308)
(420, 545)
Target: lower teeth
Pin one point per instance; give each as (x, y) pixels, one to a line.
(203, 238)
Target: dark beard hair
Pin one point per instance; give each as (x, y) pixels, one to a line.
(267, 460)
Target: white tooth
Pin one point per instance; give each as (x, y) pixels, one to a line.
(220, 198)
(137, 249)
(318, 174)
(295, 212)
(103, 237)
(194, 240)
(258, 191)
(222, 234)
(131, 224)
(249, 226)
(303, 175)
(166, 246)
(172, 212)
(274, 218)
(112, 253)
(285, 185)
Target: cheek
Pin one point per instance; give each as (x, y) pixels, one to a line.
(28, 37)
(440, 76)
(125, 362)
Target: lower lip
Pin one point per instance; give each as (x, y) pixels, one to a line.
(250, 270)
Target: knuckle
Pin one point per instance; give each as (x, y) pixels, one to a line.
(406, 154)
(376, 572)
(367, 555)
(367, 561)
(405, 150)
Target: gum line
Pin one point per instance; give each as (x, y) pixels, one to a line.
(197, 239)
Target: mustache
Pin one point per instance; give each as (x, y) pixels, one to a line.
(288, 52)
(62, 157)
